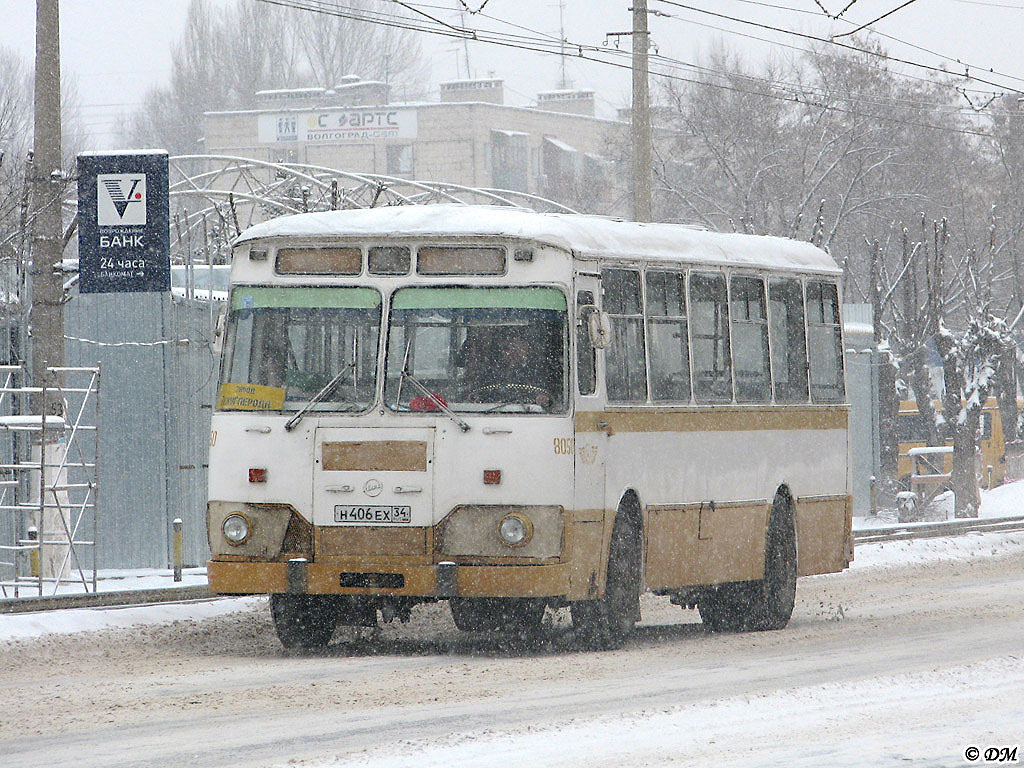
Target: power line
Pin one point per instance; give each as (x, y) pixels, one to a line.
(699, 68)
(812, 52)
(883, 16)
(532, 45)
(829, 41)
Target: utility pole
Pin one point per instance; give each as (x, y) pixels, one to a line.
(641, 114)
(46, 311)
(46, 315)
(563, 81)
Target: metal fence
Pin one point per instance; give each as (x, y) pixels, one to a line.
(158, 378)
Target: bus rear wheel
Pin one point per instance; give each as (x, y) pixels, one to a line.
(303, 621)
(759, 605)
(606, 623)
(497, 614)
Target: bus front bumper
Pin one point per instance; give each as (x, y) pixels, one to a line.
(340, 578)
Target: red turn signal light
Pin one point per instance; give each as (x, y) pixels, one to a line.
(492, 476)
(257, 475)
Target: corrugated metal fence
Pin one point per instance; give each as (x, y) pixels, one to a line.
(159, 375)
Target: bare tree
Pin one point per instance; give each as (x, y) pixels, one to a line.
(334, 46)
(15, 141)
(226, 55)
(16, 94)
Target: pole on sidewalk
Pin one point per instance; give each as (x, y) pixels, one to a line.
(641, 115)
(178, 548)
(47, 310)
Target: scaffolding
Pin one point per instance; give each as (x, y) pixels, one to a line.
(49, 482)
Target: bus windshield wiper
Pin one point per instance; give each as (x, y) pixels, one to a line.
(318, 397)
(405, 375)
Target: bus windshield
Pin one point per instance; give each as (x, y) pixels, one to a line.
(283, 345)
(478, 350)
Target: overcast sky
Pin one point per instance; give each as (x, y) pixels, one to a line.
(118, 48)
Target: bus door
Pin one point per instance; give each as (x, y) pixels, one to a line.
(373, 478)
(590, 447)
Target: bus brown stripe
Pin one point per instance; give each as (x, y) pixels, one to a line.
(721, 419)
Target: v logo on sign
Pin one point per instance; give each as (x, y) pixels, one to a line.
(119, 198)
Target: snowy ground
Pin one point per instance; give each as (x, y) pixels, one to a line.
(846, 724)
(25, 625)
(923, 718)
(908, 658)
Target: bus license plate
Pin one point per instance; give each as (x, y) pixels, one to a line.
(381, 515)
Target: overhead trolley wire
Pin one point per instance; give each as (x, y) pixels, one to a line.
(847, 46)
(524, 43)
(703, 69)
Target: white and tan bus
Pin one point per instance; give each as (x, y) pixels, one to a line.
(510, 410)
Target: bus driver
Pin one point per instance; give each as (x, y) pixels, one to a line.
(505, 368)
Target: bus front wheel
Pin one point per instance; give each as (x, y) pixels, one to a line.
(606, 623)
(303, 621)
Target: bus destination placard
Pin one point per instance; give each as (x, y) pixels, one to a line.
(123, 222)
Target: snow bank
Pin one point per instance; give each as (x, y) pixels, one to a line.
(889, 554)
(22, 625)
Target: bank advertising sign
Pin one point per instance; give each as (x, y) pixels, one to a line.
(356, 124)
(123, 222)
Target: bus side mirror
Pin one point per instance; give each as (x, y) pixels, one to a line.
(598, 326)
(218, 330)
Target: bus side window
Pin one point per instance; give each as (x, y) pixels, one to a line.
(586, 357)
(625, 368)
(824, 343)
(666, 336)
(709, 338)
(789, 344)
(749, 322)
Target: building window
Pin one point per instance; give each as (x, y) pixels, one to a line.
(399, 160)
(667, 338)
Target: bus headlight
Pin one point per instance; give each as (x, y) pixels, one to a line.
(236, 529)
(515, 529)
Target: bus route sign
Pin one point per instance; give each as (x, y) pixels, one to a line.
(123, 222)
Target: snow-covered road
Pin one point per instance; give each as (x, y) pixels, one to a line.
(906, 659)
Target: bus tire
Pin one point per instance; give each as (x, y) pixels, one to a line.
(724, 608)
(497, 614)
(775, 595)
(606, 623)
(759, 605)
(303, 621)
